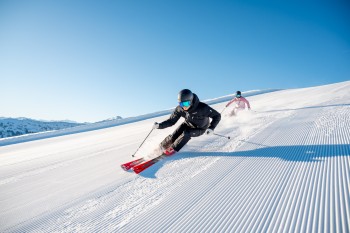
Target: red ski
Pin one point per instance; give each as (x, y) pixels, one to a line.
(142, 166)
(131, 164)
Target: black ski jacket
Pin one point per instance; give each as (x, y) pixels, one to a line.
(197, 116)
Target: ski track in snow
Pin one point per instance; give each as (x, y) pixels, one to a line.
(282, 171)
(54, 165)
(286, 188)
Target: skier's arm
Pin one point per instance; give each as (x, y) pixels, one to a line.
(228, 104)
(175, 116)
(233, 100)
(215, 116)
(246, 101)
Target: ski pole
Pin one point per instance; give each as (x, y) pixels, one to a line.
(228, 137)
(142, 143)
(223, 110)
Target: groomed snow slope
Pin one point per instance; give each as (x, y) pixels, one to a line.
(285, 169)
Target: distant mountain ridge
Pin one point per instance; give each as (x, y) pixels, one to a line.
(112, 119)
(10, 127)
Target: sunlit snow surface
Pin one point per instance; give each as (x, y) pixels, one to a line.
(286, 168)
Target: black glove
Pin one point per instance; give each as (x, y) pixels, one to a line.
(156, 125)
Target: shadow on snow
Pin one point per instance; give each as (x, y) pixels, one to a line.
(295, 153)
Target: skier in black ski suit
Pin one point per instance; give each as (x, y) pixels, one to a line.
(196, 122)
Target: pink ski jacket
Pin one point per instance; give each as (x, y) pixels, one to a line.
(240, 102)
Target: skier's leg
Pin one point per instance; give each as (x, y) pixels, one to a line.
(169, 140)
(187, 134)
(237, 110)
(166, 143)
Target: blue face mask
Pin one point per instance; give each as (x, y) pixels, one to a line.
(185, 103)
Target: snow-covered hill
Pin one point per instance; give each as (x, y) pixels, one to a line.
(285, 169)
(10, 127)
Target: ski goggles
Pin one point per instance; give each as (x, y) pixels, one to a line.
(238, 96)
(185, 103)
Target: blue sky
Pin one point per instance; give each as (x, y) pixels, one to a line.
(91, 60)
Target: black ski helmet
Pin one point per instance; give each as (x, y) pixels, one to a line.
(185, 95)
(238, 93)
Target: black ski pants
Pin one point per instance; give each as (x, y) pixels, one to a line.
(181, 136)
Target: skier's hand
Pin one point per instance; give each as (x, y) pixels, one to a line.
(156, 125)
(209, 131)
